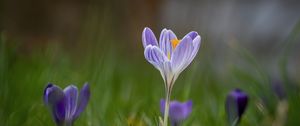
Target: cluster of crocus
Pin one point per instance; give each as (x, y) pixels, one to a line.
(178, 111)
(170, 56)
(66, 105)
(236, 103)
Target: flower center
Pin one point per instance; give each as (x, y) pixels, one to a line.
(174, 43)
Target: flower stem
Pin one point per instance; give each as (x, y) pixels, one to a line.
(167, 105)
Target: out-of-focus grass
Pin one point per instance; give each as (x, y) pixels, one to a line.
(126, 90)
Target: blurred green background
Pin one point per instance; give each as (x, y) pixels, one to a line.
(249, 45)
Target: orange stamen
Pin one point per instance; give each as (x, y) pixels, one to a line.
(174, 43)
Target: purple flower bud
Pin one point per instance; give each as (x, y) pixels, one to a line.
(236, 103)
(178, 111)
(67, 104)
(278, 89)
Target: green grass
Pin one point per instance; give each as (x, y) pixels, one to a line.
(125, 88)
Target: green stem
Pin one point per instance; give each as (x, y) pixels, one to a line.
(167, 106)
(169, 86)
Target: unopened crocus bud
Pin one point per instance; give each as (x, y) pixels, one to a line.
(236, 103)
(66, 105)
(178, 111)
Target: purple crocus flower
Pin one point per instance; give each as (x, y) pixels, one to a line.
(170, 56)
(236, 103)
(66, 105)
(178, 111)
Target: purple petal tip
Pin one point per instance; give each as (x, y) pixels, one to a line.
(236, 103)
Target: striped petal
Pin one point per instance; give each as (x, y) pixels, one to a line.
(196, 45)
(55, 100)
(83, 100)
(167, 73)
(71, 94)
(165, 41)
(149, 38)
(182, 54)
(192, 34)
(155, 56)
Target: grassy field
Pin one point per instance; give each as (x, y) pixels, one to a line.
(126, 90)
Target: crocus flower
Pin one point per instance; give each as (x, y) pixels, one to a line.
(66, 105)
(170, 56)
(178, 111)
(236, 103)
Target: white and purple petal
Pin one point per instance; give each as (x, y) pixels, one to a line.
(167, 73)
(182, 54)
(83, 100)
(196, 45)
(149, 38)
(192, 34)
(155, 56)
(71, 94)
(165, 41)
